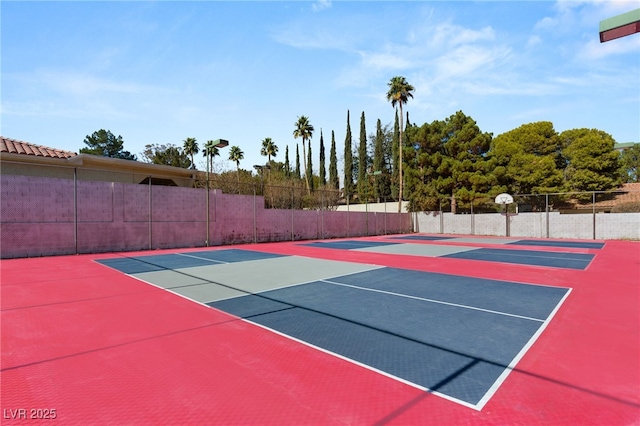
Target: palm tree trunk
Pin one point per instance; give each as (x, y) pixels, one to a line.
(400, 185)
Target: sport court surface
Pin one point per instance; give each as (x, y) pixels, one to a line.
(358, 331)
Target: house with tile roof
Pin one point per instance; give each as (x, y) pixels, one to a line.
(26, 159)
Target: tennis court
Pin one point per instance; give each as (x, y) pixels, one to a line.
(379, 330)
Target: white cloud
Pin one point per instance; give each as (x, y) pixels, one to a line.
(593, 49)
(321, 5)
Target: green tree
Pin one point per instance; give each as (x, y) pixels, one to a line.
(395, 164)
(298, 175)
(528, 159)
(592, 160)
(630, 164)
(399, 93)
(323, 172)
(304, 130)
(190, 147)
(381, 187)
(235, 155)
(210, 151)
(334, 180)
(363, 186)
(287, 165)
(166, 154)
(463, 174)
(348, 162)
(309, 170)
(105, 144)
(269, 149)
(421, 185)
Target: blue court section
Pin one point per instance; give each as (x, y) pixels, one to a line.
(449, 334)
(568, 244)
(422, 238)
(159, 262)
(527, 257)
(347, 244)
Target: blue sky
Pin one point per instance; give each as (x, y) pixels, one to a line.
(159, 72)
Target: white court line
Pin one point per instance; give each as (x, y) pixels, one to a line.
(202, 258)
(512, 365)
(434, 301)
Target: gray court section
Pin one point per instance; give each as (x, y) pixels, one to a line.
(231, 255)
(528, 257)
(169, 279)
(347, 244)
(217, 281)
(421, 238)
(483, 240)
(159, 262)
(432, 250)
(455, 350)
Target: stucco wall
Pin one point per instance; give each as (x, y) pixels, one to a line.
(534, 225)
(47, 216)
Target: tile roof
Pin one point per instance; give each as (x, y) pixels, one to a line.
(13, 146)
(630, 192)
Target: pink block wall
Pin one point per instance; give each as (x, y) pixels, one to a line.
(38, 218)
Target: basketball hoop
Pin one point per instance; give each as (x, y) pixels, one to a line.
(504, 199)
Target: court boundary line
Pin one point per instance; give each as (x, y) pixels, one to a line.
(503, 377)
(424, 299)
(204, 258)
(365, 366)
(541, 257)
(478, 406)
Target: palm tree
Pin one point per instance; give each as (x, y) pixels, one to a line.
(399, 93)
(235, 155)
(269, 148)
(304, 130)
(210, 151)
(190, 148)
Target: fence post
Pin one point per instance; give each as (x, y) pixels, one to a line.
(546, 207)
(441, 218)
(255, 230)
(150, 217)
(348, 224)
(593, 204)
(75, 208)
(293, 238)
(207, 207)
(385, 216)
(366, 218)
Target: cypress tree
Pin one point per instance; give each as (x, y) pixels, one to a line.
(298, 162)
(323, 173)
(378, 161)
(395, 153)
(362, 161)
(309, 170)
(287, 167)
(334, 180)
(348, 162)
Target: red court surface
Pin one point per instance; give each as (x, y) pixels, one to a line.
(86, 344)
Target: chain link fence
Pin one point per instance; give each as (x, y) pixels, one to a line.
(579, 215)
(76, 210)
